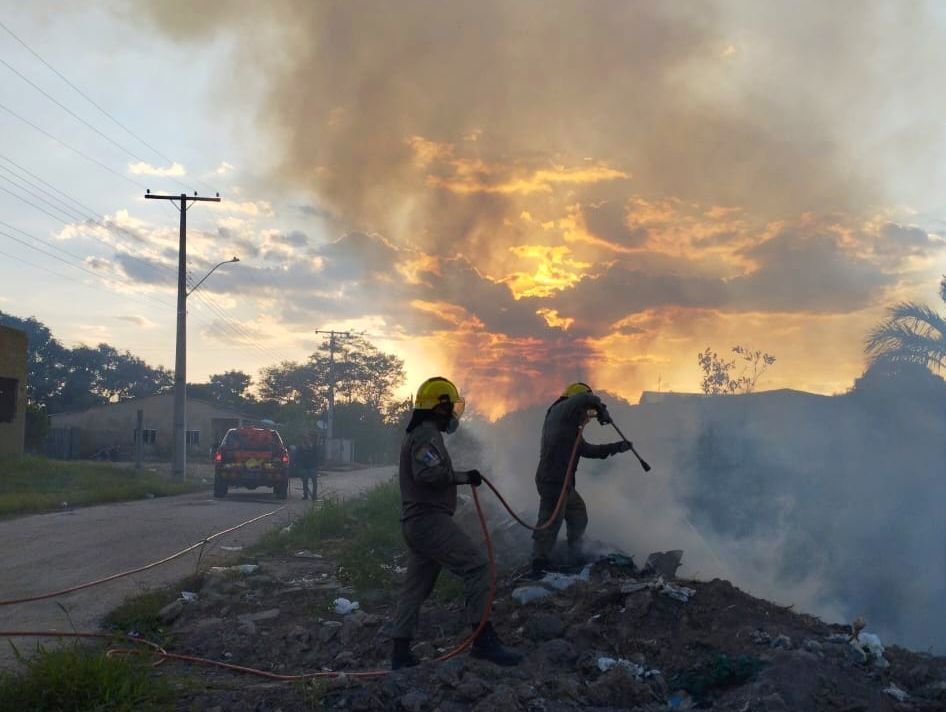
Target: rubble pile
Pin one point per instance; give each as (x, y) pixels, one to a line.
(606, 638)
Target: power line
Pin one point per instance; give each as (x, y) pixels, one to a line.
(33, 194)
(38, 188)
(69, 111)
(95, 104)
(75, 150)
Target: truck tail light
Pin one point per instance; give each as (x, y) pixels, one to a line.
(218, 457)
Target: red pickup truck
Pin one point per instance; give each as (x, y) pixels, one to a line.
(251, 457)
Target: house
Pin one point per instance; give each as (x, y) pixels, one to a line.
(12, 390)
(114, 425)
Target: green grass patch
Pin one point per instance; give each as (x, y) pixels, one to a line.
(39, 484)
(75, 678)
(139, 613)
(364, 533)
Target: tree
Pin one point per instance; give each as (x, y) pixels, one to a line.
(717, 372)
(911, 334)
(230, 387)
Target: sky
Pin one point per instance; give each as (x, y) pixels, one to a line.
(513, 195)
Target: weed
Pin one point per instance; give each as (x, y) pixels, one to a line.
(36, 484)
(74, 678)
(139, 613)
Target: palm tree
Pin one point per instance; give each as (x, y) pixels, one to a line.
(912, 333)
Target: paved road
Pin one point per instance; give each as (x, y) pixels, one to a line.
(50, 552)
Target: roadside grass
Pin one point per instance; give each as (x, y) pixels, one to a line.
(364, 533)
(139, 614)
(76, 677)
(39, 484)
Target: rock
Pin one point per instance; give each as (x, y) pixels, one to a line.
(208, 623)
(267, 615)
(618, 688)
(414, 701)
(329, 630)
(637, 605)
(351, 630)
(544, 626)
(584, 635)
(782, 642)
(370, 619)
(528, 594)
(449, 673)
(472, 688)
(933, 691)
(896, 693)
(247, 627)
(812, 646)
(504, 698)
(171, 611)
(557, 653)
(760, 637)
(260, 581)
(344, 658)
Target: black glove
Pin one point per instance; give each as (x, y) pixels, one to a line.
(470, 477)
(604, 417)
(621, 446)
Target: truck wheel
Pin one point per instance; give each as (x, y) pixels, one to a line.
(281, 491)
(220, 488)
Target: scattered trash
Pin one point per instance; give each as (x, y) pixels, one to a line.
(782, 642)
(148, 495)
(869, 645)
(232, 548)
(245, 569)
(664, 563)
(188, 596)
(527, 594)
(680, 700)
(895, 692)
(560, 581)
(63, 504)
(306, 554)
(680, 593)
(760, 637)
(638, 671)
(622, 560)
(343, 606)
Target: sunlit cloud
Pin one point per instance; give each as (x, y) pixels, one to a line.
(146, 169)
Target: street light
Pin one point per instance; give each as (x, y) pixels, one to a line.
(225, 262)
(179, 460)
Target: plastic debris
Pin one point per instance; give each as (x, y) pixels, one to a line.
(343, 606)
(869, 645)
(306, 554)
(245, 569)
(527, 594)
(188, 596)
(232, 548)
(895, 692)
(622, 560)
(638, 671)
(679, 593)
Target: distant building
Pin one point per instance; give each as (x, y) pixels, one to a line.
(87, 432)
(12, 390)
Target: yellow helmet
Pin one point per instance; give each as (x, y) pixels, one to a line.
(576, 388)
(437, 390)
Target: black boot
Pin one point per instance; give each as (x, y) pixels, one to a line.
(488, 646)
(401, 655)
(540, 567)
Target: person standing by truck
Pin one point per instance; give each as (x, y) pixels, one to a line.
(309, 459)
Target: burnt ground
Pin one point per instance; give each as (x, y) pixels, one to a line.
(722, 649)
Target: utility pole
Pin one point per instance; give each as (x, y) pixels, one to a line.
(179, 458)
(332, 344)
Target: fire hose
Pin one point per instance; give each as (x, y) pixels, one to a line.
(146, 646)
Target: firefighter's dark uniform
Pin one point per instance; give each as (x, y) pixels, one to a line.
(559, 431)
(429, 499)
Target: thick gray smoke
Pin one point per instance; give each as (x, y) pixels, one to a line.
(833, 504)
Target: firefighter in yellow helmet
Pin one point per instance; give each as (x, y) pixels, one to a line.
(434, 541)
(562, 420)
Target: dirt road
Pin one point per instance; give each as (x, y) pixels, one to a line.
(50, 552)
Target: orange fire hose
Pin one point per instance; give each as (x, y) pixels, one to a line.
(163, 654)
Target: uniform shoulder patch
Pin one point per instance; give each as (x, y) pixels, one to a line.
(428, 455)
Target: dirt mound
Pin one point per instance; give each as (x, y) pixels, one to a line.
(610, 639)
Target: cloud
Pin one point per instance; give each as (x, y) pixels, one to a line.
(139, 321)
(224, 169)
(146, 169)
